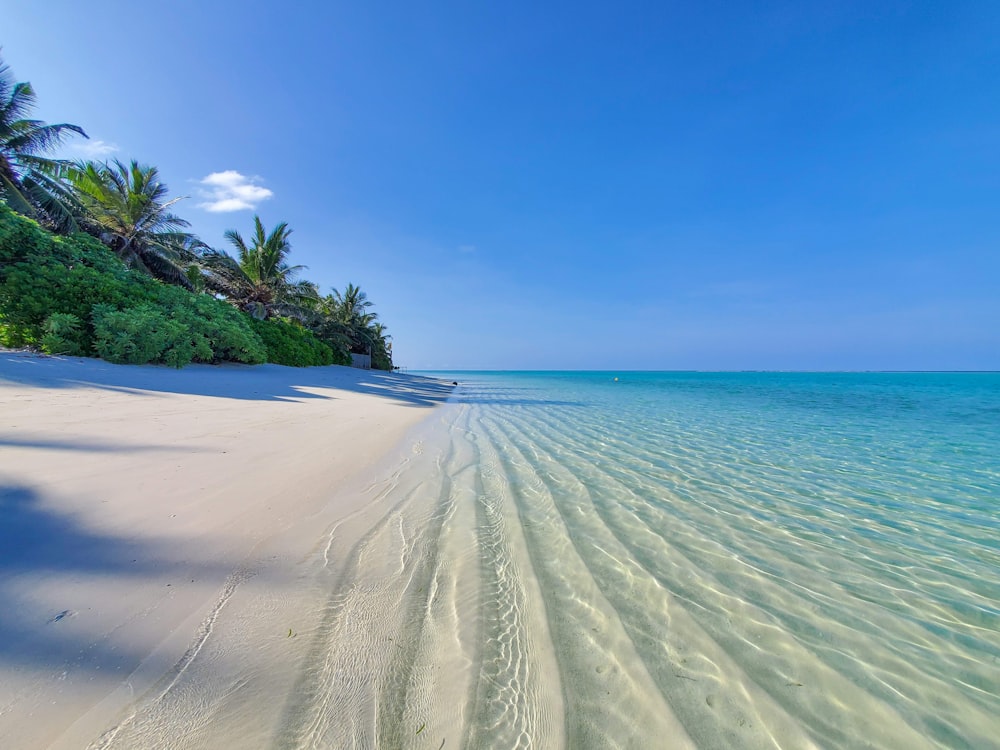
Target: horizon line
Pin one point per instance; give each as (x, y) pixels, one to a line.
(790, 371)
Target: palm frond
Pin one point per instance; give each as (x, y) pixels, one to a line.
(126, 207)
(30, 183)
(264, 278)
(56, 200)
(19, 99)
(35, 136)
(16, 199)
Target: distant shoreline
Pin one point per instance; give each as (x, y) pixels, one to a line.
(726, 372)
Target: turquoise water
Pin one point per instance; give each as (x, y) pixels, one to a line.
(669, 560)
(785, 559)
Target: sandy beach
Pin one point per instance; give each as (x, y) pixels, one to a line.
(140, 502)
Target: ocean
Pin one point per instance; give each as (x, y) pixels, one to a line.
(721, 560)
(633, 560)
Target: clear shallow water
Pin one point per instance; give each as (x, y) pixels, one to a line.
(791, 558)
(671, 560)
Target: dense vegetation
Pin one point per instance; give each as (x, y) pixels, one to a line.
(93, 262)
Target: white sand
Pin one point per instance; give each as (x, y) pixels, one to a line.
(135, 501)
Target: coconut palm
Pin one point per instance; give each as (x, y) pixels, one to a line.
(31, 183)
(379, 331)
(350, 308)
(260, 280)
(381, 347)
(126, 207)
(330, 330)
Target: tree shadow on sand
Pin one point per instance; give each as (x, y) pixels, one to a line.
(39, 546)
(244, 382)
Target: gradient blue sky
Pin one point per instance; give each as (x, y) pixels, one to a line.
(697, 185)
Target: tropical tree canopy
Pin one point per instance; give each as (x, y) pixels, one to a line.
(126, 207)
(29, 182)
(350, 308)
(260, 280)
(381, 347)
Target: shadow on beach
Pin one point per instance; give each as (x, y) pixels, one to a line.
(244, 382)
(36, 545)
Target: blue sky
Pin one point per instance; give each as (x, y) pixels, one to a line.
(698, 185)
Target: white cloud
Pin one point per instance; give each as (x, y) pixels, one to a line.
(231, 191)
(93, 149)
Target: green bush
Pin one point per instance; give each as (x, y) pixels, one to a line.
(123, 316)
(288, 343)
(19, 239)
(135, 336)
(381, 360)
(342, 357)
(215, 330)
(335, 335)
(63, 335)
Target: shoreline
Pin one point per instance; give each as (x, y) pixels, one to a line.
(139, 501)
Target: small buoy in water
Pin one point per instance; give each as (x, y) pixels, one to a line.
(616, 380)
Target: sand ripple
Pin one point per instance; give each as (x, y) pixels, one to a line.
(674, 575)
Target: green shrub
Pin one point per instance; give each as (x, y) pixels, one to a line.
(173, 336)
(44, 275)
(135, 336)
(216, 330)
(19, 239)
(341, 357)
(64, 335)
(288, 343)
(381, 360)
(334, 335)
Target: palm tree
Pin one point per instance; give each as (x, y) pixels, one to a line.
(379, 331)
(350, 308)
(336, 334)
(30, 183)
(126, 207)
(260, 280)
(381, 347)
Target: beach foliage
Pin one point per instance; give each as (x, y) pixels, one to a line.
(30, 182)
(349, 317)
(139, 335)
(122, 315)
(381, 347)
(94, 261)
(259, 279)
(126, 207)
(334, 334)
(288, 342)
(351, 308)
(64, 334)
